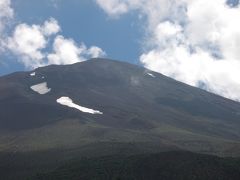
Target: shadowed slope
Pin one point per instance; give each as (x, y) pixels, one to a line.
(162, 166)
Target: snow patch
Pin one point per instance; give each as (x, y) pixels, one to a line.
(41, 88)
(66, 101)
(150, 74)
(33, 74)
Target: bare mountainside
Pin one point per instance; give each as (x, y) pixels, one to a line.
(101, 102)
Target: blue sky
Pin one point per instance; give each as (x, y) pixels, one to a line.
(82, 21)
(85, 21)
(193, 41)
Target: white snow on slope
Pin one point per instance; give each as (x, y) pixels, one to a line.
(41, 88)
(150, 74)
(33, 74)
(66, 101)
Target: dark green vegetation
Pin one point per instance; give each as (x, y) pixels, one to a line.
(162, 166)
(141, 115)
(173, 165)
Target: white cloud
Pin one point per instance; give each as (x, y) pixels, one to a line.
(95, 52)
(114, 7)
(194, 41)
(31, 44)
(6, 13)
(28, 41)
(66, 51)
(51, 27)
(154, 9)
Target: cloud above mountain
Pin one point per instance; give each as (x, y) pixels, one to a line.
(27, 42)
(6, 13)
(66, 51)
(193, 41)
(37, 45)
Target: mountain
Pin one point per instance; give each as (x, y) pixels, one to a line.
(102, 108)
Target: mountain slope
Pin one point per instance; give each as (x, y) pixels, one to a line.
(138, 106)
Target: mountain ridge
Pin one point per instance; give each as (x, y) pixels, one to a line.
(101, 60)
